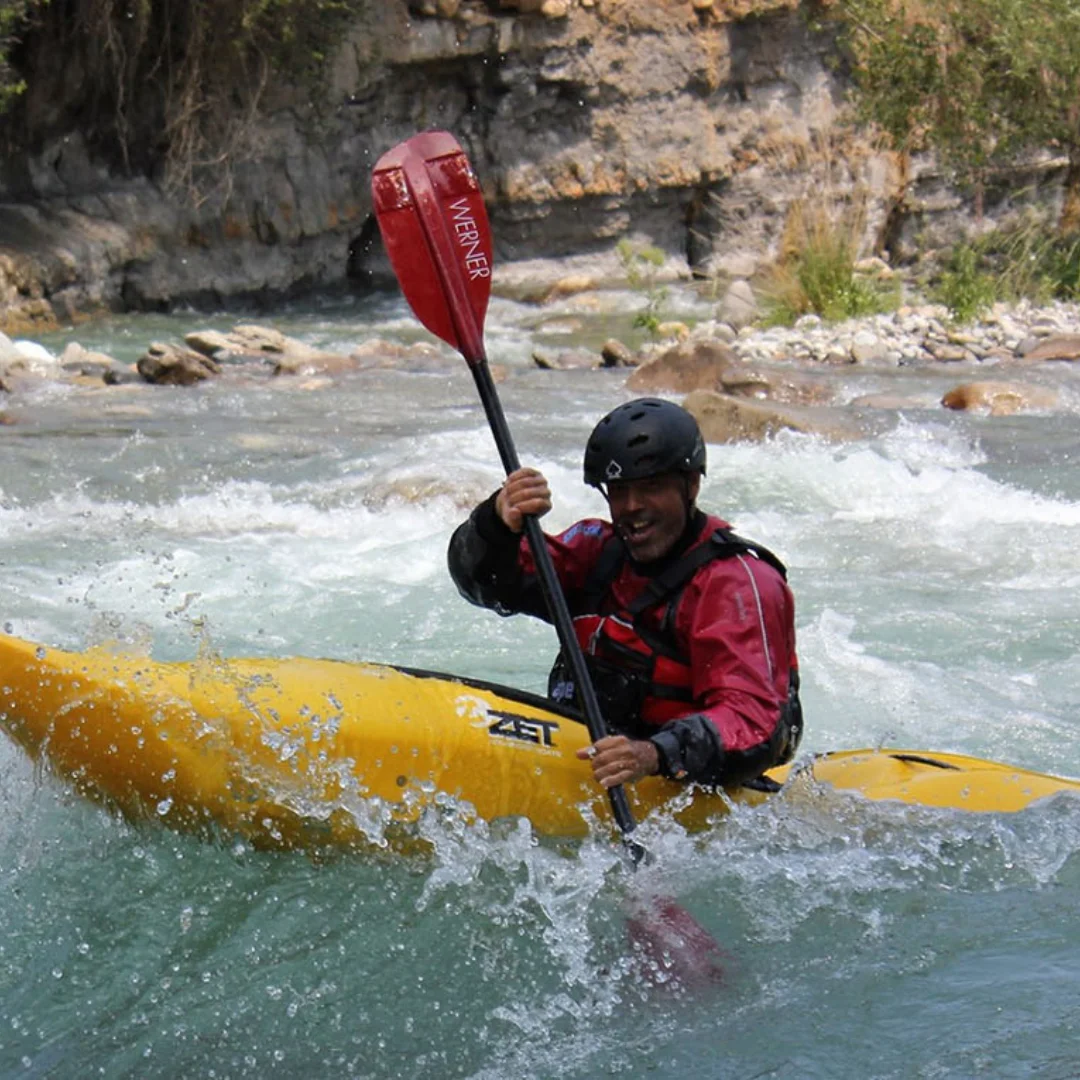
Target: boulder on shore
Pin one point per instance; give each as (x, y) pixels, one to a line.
(1061, 347)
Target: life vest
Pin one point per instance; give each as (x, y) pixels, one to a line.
(641, 677)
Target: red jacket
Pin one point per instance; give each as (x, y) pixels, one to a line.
(733, 623)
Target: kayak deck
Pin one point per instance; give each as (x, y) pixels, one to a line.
(308, 753)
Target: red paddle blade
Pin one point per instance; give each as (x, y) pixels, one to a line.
(434, 225)
(676, 948)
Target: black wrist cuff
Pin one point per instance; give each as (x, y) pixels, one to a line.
(490, 526)
(670, 754)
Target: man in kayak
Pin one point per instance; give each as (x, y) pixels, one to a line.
(688, 630)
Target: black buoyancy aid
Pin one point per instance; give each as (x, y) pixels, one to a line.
(641, 677)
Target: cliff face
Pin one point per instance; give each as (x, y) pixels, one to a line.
(691, 124)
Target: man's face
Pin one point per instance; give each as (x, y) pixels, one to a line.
(650, 515)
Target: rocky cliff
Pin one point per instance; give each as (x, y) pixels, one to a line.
(691, 125)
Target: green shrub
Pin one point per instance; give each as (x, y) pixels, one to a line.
(965, 287)
(977, 82)
(817, 275)
(12, 20)
(1063, 266)
(1032, 260)
(640, 263)
(1027, 260)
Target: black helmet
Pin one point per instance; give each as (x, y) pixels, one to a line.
(643, 438)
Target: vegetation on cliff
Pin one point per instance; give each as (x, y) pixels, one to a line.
(980, 82)
(177, 90)
(984, 85)
(157, 86)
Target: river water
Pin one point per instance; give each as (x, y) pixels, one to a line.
(935, 561)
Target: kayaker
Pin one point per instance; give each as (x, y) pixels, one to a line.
(688, 630)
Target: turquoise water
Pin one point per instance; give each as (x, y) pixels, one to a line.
(935, 562)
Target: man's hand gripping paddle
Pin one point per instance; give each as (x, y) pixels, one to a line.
(435, 229)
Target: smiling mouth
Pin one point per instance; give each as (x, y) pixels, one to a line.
(633, 532)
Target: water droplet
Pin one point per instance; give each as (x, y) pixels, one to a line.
(164, 807)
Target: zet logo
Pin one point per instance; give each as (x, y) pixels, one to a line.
(507, 725)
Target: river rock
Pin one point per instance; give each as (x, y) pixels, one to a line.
(717, 330)
(39, 358)
(86, 363)
(791, 386)
(316, 363)
(12, 364)
(948, 353)
(868, 348)
(260, 344)
(999, 398)
(541, 281)
(22, 365)
(739, 306)
(891, 402)
(1054, 348)
(172, 365)
(29, 361)
(672, 331)
(691, 365)
(82, 361)
(420, 356)
(727, 419)
(614, 353)
(566, 360)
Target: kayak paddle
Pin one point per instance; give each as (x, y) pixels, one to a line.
(434, 225)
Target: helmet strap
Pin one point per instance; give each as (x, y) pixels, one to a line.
(688, 501)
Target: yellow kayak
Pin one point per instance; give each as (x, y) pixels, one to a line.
(312, 753)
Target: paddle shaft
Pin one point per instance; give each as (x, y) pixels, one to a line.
(553, 593)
